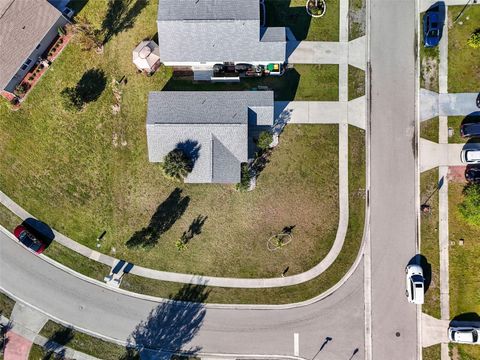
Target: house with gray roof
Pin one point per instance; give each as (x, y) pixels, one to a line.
(201, 33)
(210, 127)
(27, 28)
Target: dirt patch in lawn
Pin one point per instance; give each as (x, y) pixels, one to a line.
(429, 70)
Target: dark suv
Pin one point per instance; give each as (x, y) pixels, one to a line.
(470, 129)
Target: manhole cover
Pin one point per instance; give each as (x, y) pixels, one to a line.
(397, 334)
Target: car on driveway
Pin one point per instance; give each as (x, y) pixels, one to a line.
(464, 334)
(415, 284)
(470, 156)
(470, 129)
(431, 29)
(30, 241)
(473, 175)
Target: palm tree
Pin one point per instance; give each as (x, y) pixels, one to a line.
(177, 164)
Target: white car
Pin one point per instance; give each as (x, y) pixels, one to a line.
(470, 156)
(415, 284)
(464, 334)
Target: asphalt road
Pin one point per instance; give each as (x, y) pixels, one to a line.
(98, 309)
(393, 229)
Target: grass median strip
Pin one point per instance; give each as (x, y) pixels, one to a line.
(429, 129)
(6, 305)
(432, 352)
(303, 291)
(85, 343)
(429, 63)
(429, 240)
(455, 122)
(356, 82)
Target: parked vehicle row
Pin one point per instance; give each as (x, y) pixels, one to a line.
(470, 129)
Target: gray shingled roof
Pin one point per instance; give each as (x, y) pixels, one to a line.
(211, 126)
(23, 24)
(216, 31)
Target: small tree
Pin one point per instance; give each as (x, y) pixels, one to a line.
(470, 207)
(177, 165)
(474, 39)
(87, 36)
(71, 99)
(244, 183)
(264, 140)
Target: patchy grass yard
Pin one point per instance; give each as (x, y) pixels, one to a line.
(429, 62)
(292, 13)
(464, 264)
(429, 240)
(356, 82)
(83, 173)
(38, 353)
(429, 129)
(432, 352)
(83, 342)
(303, 291)
(298, 83)
(356, 19)
(6, 305)
(8, 219)
(463, 64)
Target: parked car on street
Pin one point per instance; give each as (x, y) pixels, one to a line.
(431, 29)
(30, 241)
(470, 156)
(473, 175)
(470, 129)
(463, 335)
(415, 281)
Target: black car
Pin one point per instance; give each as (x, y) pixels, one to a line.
(470, 129)
(473, 174)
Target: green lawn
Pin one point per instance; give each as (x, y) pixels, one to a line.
(429, 129)
(38, 353)
(6, 305)
(298, 83)
(454, 122)
(429, 62)
(292, 13)
(356, 82)
(464, 352)
(8, 219)
(432, 352)
(463, 64)
(429, 240)
(298, 292)
(88, 172)
(84, 343)
(356, 19)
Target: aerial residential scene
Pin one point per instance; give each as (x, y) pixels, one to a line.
(240, 179)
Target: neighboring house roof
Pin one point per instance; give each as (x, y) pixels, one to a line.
(216, 30)
(212, 127)
(23, 25)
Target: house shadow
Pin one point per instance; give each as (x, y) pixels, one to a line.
(121, 16)
(279, 13)
(421, 260)
(172, 325)
(439, 9)
(167, 213)
(466, 319)
(40, 229)
(91, 85)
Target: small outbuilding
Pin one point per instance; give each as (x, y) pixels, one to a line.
(146, 56)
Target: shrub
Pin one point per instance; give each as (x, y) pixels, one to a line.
(176, 165)
(244, 183)
(71, 99)
(22, 89)
(474, 39)
(470, 207)
(264, 140)
(31, 78)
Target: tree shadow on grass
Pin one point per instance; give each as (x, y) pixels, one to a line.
(167, 213)
(121, 15)
(91, 85)
(173, 324)
(194, 229)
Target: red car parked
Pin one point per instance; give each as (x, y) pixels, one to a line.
(29, 240)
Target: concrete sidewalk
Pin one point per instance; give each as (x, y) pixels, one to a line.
(433, 104)
(434, 331)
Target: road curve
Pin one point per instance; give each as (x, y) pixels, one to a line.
(94, 308)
